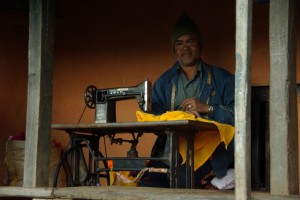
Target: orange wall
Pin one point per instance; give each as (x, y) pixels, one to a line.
(116, 44)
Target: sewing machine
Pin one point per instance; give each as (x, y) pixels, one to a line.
(104, 100)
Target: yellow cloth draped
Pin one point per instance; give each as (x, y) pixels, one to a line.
(205, 142)
(122, 178)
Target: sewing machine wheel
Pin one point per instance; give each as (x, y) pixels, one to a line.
(77, 168)
(89, 96)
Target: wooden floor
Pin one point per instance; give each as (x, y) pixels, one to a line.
(126, 193)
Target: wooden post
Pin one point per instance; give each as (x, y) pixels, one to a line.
(39, 99)
(243, 99)
(283, 98)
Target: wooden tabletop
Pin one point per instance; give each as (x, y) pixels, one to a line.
(125, 127)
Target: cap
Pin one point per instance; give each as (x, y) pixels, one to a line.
(185, 26)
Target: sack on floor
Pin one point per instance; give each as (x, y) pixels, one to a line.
(14, 161)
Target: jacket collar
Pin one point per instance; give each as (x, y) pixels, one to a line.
(206, 83)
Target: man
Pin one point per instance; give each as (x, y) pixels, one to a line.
(197, 88)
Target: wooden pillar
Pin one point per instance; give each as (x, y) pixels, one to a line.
(243, 99)
(39, 99)
(283, 98)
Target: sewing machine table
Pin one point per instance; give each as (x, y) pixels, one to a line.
(173, 130)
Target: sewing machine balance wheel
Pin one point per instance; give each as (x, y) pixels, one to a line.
(89, 96)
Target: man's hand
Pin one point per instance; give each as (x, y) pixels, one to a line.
(194, 106)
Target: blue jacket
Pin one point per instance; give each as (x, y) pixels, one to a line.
(217, 89)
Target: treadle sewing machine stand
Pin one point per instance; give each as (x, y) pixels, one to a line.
(104, 102)
(173, 130)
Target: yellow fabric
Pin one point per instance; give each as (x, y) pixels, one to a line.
(121, 178)
(205, 142)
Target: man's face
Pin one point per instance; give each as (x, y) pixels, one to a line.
(187, 50)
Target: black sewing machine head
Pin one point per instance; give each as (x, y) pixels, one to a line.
(104, 100)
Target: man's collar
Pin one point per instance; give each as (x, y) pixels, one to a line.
(199, 69)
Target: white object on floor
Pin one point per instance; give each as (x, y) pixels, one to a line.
(225, 183)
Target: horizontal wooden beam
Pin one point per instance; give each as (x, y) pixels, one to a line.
(117, 192)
